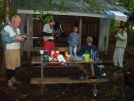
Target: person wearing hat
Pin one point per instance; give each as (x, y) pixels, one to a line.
(48, 43)
(121, 42)
(88, 47)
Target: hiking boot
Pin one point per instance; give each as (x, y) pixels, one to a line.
(17, 82)
(114, 68)
(120, 70)
(12, 87)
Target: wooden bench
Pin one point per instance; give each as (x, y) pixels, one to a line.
(62, 81)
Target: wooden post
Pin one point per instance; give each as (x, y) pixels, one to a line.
(104, 32)
(28, 40)
(80, 31)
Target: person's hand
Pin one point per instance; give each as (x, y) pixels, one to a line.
(24, 36)
(19, 38)
(116, 36)
(57, 35)
(53, 34)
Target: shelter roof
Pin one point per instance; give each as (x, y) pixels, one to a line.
(75, 7)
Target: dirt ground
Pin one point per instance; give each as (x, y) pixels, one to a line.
(69, 92)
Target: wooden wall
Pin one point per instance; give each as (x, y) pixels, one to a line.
(90, 27)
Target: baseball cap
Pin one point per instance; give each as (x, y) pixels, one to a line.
(122, 27)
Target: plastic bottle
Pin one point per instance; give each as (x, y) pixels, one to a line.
(87, 56)
(46, 58)
(92, 53)
(52, 52)
(41, 59)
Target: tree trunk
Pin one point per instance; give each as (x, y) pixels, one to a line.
(7, 17)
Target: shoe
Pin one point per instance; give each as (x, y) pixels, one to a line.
(12, 87)
(17, 82)
(114, 68)
(120, 70)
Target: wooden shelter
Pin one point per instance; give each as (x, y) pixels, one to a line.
(91, 22)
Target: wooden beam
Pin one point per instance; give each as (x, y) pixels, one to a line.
(28, 40)
(80, 32)
(62, 81)
(85, 71)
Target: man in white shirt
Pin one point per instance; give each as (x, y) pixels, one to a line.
(48, 37)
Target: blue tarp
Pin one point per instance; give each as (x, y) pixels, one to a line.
(110, 14)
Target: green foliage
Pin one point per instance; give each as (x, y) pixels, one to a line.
(129, 5)
(2, 71)
(113, 27)
(93, 5)
(1, 13)
(12, 12)
(48, 18)
(49, 6)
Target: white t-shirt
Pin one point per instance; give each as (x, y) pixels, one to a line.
(48, 29)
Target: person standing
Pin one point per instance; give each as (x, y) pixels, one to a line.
(48, 34)
(11, 38)
(73, 40)
(121, 42)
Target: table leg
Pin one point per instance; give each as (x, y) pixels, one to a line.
(42, 75)
(92, 69)
(92, 73)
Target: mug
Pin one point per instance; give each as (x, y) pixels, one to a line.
(57, 52)
(40, 52)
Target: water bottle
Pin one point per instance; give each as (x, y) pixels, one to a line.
(97, 55)
(87, 56)
(92, 55)
(46, 58)
(41, 57)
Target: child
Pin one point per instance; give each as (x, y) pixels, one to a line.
(73, 40)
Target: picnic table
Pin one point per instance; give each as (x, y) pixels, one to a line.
(79, 63)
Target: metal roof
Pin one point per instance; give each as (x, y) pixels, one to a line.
(75, 7)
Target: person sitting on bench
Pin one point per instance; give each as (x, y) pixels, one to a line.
(88, 47)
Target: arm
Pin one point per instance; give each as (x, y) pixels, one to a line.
(69, 39)
(5, 37)
(81, 51)
(124, 37)
(46, 34)
(78, 39)
(95, 48)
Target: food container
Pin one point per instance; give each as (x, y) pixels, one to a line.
(68, 58)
